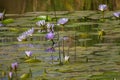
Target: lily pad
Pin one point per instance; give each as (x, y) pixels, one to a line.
(32, 60)
(7, 21)
(106, 76)
(46, 18)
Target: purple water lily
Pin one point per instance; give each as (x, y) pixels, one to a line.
(50, 35)
(62, 21)
(102, 7)
(25, 34)
(28, 53)
(117, 14)
(14, 66)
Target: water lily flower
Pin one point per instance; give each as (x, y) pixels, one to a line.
(25, 34)
(28, 53)
(50, 35)
(102, 7)
(67, 58)
(117, 14)
(62, 21)
(10, 75)
(30, 32)
(40, 23)
(22, 37)
(51, 49)
(14, 66)
(50, 27)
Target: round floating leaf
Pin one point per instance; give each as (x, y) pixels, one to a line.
(46, 18)
(24, 76)
(32, 60)
(7, 21)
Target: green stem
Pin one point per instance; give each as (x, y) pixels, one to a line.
(63, 49)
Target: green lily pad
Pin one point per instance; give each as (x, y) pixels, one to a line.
(46, 18)
(24, 76)
(7, 21)
(106, 76)
(32, 60)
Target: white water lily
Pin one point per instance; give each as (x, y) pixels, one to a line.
(28, 53)
(66, 58)
(10, 75)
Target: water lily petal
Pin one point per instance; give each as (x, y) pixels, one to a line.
(62, 21)
(50, 35)
(28, 53)
(14, 65)
(116, 14)
(10, 74)
(102, 7)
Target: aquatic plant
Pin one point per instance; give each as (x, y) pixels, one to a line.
(102, 8)
(62, 21)
(66, 59)
(50, 27)
(26, 75)
(14, 66)
(25, 34)
(46, 18)
(101, 33)
(28, 53)
(64, 38)
(40, 23)
(117, 15)
(50, 35)
(32, 60)
(10, 75)
(8, 21)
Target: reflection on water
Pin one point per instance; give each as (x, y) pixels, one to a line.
(93, 55)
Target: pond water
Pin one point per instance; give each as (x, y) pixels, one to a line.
(92, 57)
